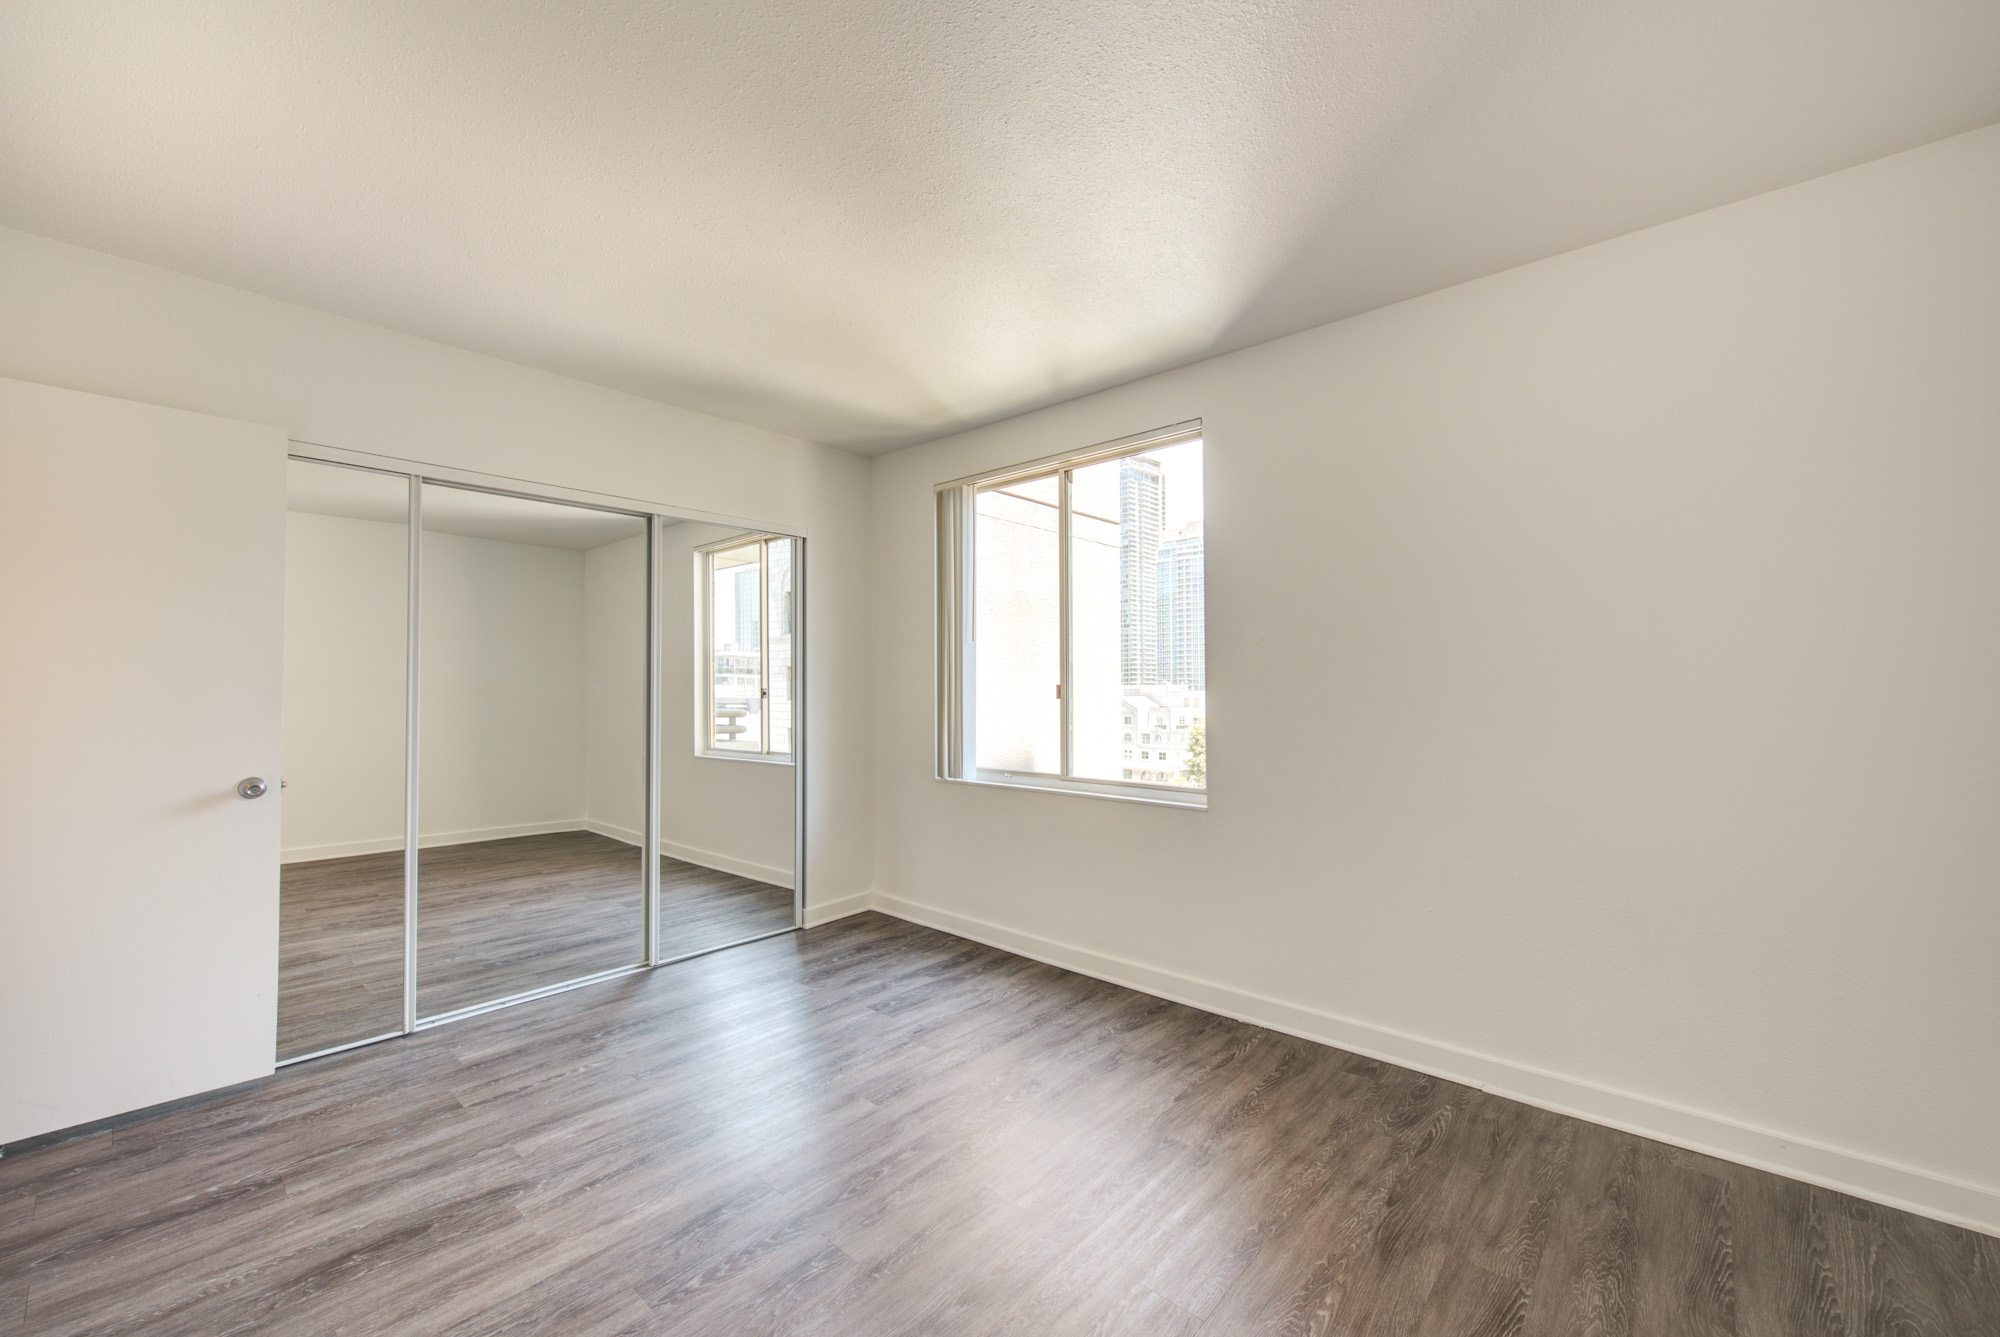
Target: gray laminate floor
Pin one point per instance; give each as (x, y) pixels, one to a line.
(870, 1128)
(496, 917)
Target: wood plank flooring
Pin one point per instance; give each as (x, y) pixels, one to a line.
(870, 1128)
(497, 917)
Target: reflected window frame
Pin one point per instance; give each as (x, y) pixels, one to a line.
(956, 704)
(709, 718)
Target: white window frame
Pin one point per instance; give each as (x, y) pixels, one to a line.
(957, 748)
(704, 691)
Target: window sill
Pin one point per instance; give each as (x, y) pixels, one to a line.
(761, 758)
(1159, 796)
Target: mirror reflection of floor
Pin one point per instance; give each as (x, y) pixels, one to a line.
(498, 917)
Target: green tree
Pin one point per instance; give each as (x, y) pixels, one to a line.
(1196, 770)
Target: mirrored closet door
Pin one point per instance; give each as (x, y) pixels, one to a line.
(341, 882)
(530, 743)
(532, 753)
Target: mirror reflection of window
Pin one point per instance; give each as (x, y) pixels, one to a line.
(736, 675)
(778, 674)
(748, 693)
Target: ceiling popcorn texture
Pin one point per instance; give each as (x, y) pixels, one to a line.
(871, 223)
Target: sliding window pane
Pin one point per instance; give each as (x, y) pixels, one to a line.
(1017, 639)
(1137, 650)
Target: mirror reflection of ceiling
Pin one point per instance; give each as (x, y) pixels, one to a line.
(869, 223)
(355, 494)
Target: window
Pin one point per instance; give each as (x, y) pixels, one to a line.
(1072, 615)
(745, 706)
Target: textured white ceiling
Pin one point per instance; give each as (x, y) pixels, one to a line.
(869, 223)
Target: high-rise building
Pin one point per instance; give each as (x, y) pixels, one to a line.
(1179, 610)
(1141, 513)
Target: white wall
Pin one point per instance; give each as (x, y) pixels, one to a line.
(88, 321)
(1602, 663)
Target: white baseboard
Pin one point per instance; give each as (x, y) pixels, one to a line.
(826, 912)
(1959, 1202)
(721, 863)
(304, 853)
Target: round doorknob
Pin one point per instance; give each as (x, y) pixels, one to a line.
(254, 787)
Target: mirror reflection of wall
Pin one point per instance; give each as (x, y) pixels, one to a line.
(726, 781)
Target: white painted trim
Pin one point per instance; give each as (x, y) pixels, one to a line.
(1959, 1202)
(304, 853)
(817, 914)
(721, 863)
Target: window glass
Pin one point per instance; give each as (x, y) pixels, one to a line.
(1136, 608)
(1016, 627)
(1072, 606)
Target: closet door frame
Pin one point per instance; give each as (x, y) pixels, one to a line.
(655, 514)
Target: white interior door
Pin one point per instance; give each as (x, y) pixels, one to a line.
(141, 648)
